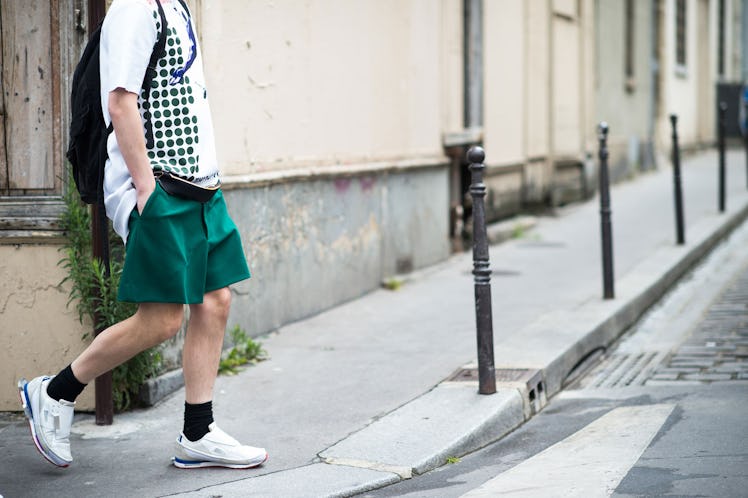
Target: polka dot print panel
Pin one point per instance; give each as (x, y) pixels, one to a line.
(170, 112)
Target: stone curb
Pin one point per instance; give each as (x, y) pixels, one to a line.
(451, 420)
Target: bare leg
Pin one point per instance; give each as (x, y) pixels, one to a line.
(152, 324)
(203, 343)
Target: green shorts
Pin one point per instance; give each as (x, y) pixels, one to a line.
(178, 250)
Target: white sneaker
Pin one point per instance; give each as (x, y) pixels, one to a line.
(49, 420)
(217, 449)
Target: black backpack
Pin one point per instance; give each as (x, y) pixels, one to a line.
(87, 150)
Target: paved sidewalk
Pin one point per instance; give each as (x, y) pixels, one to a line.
(354, 398)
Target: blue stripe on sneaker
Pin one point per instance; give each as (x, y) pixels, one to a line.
(28, 400)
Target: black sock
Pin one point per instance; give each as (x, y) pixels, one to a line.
(65, 386)
(197, 418)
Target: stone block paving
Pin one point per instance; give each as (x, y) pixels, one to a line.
(718, 348)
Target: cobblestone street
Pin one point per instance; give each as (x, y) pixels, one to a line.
(718, 348)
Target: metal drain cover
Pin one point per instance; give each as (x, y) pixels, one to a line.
(623, 369)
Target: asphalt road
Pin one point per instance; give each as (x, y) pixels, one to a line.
(663, 413)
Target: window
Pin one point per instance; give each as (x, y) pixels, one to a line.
(629, 44)
(680, 33)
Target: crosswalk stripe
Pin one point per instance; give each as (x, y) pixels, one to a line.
(590, 463)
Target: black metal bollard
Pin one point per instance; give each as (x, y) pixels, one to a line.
(605, 224)
(482, 275)
(677, 190)
(722, 128)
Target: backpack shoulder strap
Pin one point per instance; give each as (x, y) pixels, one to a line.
(150, 72)
(158, 48)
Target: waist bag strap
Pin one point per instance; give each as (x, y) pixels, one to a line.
(173, 185)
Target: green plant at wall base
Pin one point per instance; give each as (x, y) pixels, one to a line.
(245, 351)
(86, 275)
(518, 231)
(392, 283)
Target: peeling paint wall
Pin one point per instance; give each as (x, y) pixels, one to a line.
(39, 334)
(314, 244)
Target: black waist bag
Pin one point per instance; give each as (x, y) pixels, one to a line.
(178, 187)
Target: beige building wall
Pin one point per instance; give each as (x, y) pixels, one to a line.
(328, 82)
(504, 82)
(538, 96)
(625, 100)
(587, 47)
(537, 78)
(689, 91)
(678, 88)
(566, 73)
(40, 334)
(452, 86)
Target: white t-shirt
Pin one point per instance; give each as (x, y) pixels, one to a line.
(176, 116)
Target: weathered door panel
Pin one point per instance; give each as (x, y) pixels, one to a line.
(29, 45)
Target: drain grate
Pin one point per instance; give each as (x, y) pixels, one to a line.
(464, 375)
(621, 370)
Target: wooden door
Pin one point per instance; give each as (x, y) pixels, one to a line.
(30, 162)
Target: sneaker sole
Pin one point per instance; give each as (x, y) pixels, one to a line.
(201, 464)
(23, 393)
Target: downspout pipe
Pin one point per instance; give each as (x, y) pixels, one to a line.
(473, 54)
(104, 401)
